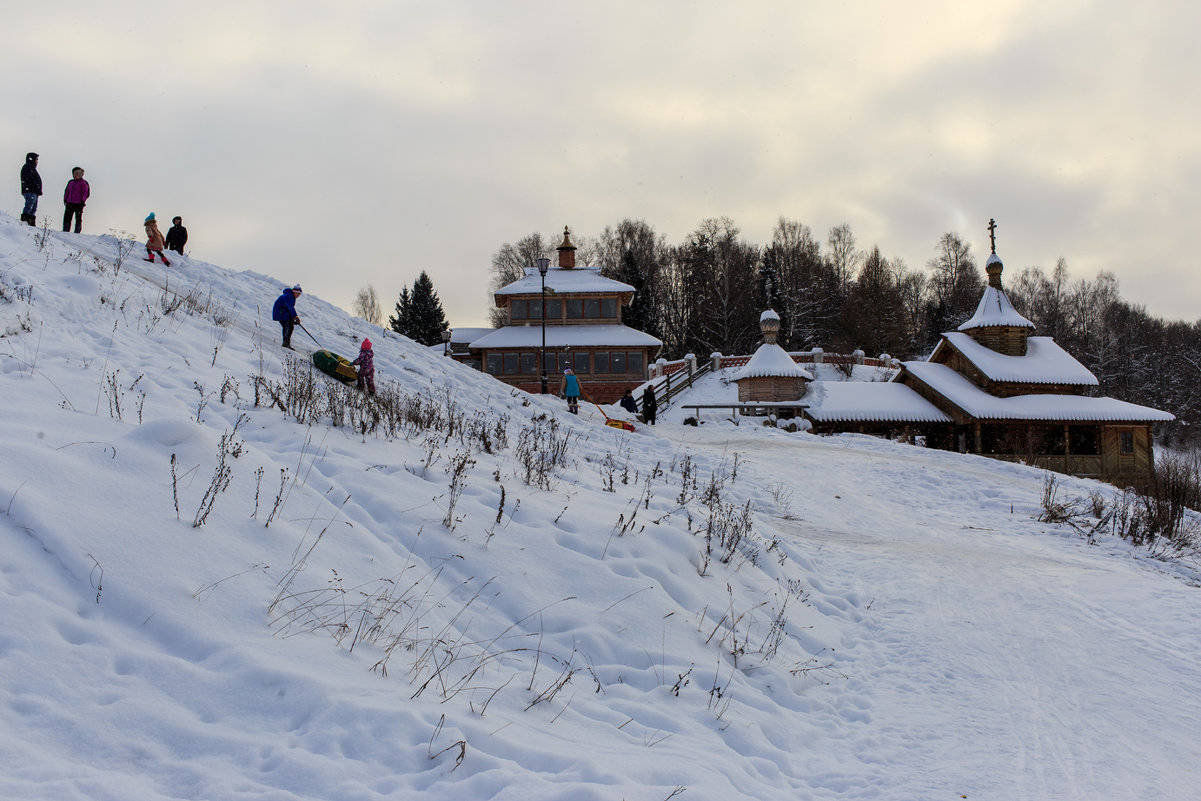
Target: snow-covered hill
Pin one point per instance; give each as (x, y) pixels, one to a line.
(460, 592)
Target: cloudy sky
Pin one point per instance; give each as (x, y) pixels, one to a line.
(341, 144)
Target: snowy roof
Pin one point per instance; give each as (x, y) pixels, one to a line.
(869, 401)
(771, 360)
(976, 402)
(561, 336)
(995, 309)
(769, 314)
(1044, 363)
(461, 336)
(580, 279)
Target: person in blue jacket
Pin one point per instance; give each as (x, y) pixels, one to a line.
(284, 312)
(569, 387)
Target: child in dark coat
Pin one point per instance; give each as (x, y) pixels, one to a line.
(366, 364)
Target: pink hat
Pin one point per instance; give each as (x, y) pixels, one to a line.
(366, 344)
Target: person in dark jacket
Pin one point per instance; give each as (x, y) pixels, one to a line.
(284, 312)
(177, 236)
(31, 188)
(366, 364)
(75, 196)
(649, 404)
(628, 403)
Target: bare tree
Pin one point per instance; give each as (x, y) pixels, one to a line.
(366, 305)
(509, 264)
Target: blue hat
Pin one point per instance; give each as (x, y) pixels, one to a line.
(151, 217)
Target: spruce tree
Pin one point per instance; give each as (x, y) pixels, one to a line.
(400, 322)
(426, 318)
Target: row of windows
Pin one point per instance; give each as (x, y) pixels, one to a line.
(577, 309)
(595, 363)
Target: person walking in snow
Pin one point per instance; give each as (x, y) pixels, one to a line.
(649, 404)
(284, 312)
(31, 188)
(154, 241)
(75, 196)
(569, 388)
(628, 403)
(366, 364)
(177, 236)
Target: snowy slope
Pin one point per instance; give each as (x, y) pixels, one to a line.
(893, 623)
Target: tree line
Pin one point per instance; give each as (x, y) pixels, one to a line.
(705, 295)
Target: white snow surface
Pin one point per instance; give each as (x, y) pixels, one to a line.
(565, 336)
(995, 309)
(1045, 362)
(957, 389)
(564, 280)
(771, 361)
(895, 624)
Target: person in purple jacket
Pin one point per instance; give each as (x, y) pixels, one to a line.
(74, 197)
(366, 364)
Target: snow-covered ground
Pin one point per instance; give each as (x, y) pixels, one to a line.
(891, 622)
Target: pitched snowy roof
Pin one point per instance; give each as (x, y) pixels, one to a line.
(560, 281)
(1044, 363)
(976, 402)
(565, 336)
(995, 309)
(869, 401)
(771, 360)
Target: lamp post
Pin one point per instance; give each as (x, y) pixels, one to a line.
(543, 266)
(446, 333)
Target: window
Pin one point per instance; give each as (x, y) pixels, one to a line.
(510, 364)
(554, 309)
(1083, 441)
(575, 308)
(609, 307)
(600, 362)
(564, 361)
(582, 363)
(529, 363)
(592, 307)
(1127, 442)
(519, 310)
(634, 362)
(495, 366)
(548, 364)
(617, 361)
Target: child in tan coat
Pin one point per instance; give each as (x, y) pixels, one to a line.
(154, 241)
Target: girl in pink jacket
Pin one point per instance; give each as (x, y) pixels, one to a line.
(366, 364)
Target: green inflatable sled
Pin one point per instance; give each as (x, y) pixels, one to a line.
(334, 365)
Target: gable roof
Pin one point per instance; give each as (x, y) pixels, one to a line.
(1045, 362)
(977, 403)
(561, 282)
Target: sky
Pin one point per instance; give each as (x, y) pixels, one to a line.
(430, 134)
(198, 590)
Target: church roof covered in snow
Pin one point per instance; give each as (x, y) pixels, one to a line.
(771, 361)
(1045, 362)
(563, 281)
(977, 403)
(869, 401)
(565, 336)
(995, 308)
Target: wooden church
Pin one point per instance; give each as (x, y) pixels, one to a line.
(1012, 395)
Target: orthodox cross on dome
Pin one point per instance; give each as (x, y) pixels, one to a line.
(992, 234)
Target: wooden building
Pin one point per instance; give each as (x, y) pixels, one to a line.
(1011, 395)
(583, 330)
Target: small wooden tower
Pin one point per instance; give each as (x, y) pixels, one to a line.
(996, 324)
(771, 375)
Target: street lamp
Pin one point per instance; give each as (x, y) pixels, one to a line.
(446, 341)
(543, 266)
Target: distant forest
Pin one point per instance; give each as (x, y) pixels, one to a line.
(706, 293)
